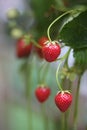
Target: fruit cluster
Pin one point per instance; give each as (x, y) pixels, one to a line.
(48, 50)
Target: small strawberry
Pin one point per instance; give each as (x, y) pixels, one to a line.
(51, 50)
(41, 42)
(23, 48)
(63, 100)
(42, 93)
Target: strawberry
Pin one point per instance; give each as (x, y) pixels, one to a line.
(51, 50)
(63, 100)
(23, 48)
(42, 93)
(41, 42)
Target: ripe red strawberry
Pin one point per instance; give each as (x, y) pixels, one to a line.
(63, 100)
(41, 42)
(23, 48)
(51, 51)
(42, 93)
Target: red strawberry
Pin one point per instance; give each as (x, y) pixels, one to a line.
(23, 48)
(41, 42)
(51, 51)
(42, 93)
(63, 100)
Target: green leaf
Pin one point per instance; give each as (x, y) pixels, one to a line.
(72, 3)
(74, 33)
(81, 59)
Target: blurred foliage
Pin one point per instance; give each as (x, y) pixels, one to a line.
(19, 119)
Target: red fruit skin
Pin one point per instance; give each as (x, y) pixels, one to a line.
(23, 49)
(42, 93)
(41, 42)
(63, 100)
(51, 51)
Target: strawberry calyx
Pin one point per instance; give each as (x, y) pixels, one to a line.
(51, 42)
(42, 85)
(27, 39)
(64, 91)
(67, 91)
(54, 42)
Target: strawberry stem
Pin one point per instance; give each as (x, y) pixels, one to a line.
(57, 72)
(26, 74)
(35, 43)
(58, 18)
(57, 79)
(27, 91)
(68, 111)
(45, 118)
(63, 122)
(45, 73)
(65, 56)
(76, 104)
(42, 71)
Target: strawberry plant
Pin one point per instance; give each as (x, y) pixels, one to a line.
(59, 24)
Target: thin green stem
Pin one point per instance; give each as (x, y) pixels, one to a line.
(58, 18)
(27, 79)
(67, 112)
(27, 92)
(65, 56)
(40, 68)
(30, 120)
(63, 122)
(57, 72)
(76, 104)
(65, 115)
(35, 43)
(46, 70)
(45, 118)
(57, 77)
(43, 71)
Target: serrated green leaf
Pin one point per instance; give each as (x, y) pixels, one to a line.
(74, 33)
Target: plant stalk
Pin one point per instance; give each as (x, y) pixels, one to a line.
(63, 122)
(45, 118)
(27, 92)
(68, 111)
(76, 104)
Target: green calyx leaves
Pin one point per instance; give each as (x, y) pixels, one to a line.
(27, 39)
(68, 73)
